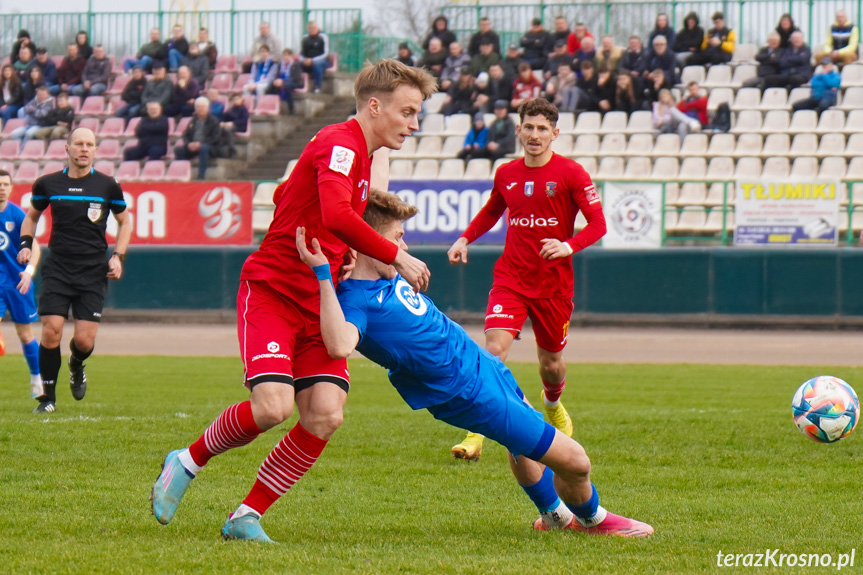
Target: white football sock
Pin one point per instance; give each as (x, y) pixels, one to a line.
(186, 460)
(244, 509)
(557, 518)
(597, 518)
(550, 404)
(36, 385)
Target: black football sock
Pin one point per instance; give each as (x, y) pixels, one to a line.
(78, 357)
(49, 366)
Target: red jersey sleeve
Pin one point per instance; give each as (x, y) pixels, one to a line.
(585, 196)
(487, 216)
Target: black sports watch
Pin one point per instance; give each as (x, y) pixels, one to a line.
(122, 257)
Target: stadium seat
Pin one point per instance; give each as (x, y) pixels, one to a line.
(639, 145)
(744, 53)
(90, 123)
(797, 94)
(105, 167)
(664, 145)
(27, 173)
(401, 169)
(743, 72)
(268, 105)
(776, 145)
(830, 121)
(692, 74)
(178, 171)
(694, 145)
(665, 168)
(429, 147)
(747, 121)
(93, 106)
(261, 220)
(433, 124)
(747, 168)
(451, 169)
(610, 168)
(457, 124)
(854, 122)
(832, 168)
(435, 103)
(264, 194)
(640, 122)
(32, 150)
(498, 163)
(222, 82)
(612, 144)
(112, 128)
(693, 168)
(721, 145)
(562, 145)
(713, 223)
(854, 146)
(852, 99)
(670, 219)
(75, 102)
(565, 122)
(638, 168)
(226, 64)
(7, 166)
(774, 99)
(691, 194)
(855, 172)
(109, 149)
(852, 75)
(748, 145)
(586, 145)
(425, 169)
(12, 125)
(716, 194)
(52, 167)
(588, 123)
(478, 169)
(241, 81)
(831, 145)
(804, 168)
(288, 169)
(118, 85)
(775, 121)
(452, 145)
(718, 76)
(580, 222)
(408, 149)
(131, 127)
(776, 168)
(114, 104)
(586, 162)
(691, 220)
(56, 150)
(803, 144)
(613, 123)
(130, 143)
(719, 96)
(129, 172)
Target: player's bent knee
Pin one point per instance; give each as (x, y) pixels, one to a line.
(323, 424)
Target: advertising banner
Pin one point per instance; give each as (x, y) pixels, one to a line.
(445, 210)
(633, 213)
(171, 213)
(786, 213)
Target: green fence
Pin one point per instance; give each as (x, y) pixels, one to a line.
(751, 19)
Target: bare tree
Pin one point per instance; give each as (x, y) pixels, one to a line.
(406, 18)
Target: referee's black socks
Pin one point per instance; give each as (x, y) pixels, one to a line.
(78, 357)
(49, 366)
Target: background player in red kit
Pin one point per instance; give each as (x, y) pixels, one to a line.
(533, 278)
(278, 304)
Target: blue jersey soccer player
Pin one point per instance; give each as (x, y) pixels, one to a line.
(16, 291)
(434, 365)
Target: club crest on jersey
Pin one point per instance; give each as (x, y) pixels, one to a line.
(528, 189)
(550, 189)
(364, 184)
(10, 226)
(4, 240)
(411, 300)
(341, 160)
(95, 212)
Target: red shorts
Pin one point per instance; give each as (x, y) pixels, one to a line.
(549, 316)
(281, 342)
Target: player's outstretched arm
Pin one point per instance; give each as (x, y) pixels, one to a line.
(27, 275)
(458, 252)
(28, 230)
(340, 337)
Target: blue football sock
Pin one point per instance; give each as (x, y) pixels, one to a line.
(588, 509)
(542, 492)
(31, 354)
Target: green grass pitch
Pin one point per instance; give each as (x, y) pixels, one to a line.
(707, 454)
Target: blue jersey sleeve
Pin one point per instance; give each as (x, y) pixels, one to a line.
(355, 308)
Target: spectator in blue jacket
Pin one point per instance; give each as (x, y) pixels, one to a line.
(49, 70)
(476, 139)
(263, 73)
(825, 87)
(289, 78)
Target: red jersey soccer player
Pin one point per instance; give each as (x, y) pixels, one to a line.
(533, 278)
(278, 304)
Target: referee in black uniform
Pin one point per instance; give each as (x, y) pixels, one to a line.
(75, 273)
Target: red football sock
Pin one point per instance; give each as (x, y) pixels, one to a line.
(285, 465)
(553, 390)
(235, 427)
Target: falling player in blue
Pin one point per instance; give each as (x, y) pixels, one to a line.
(16, 288)
(434, 365)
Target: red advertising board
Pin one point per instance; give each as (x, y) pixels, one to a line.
(171, 213)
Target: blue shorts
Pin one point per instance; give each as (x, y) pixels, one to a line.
(22, 308)
(496, 408)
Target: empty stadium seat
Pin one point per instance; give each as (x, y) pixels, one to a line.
(748, 145)
(803, 121)
(776, 168)
(588, 163)
(721, 145)
(7, 166)
(612, 144)
(112, 128)
(56, 150)
(640, 122)
(694, 145)
(747, 168)
(264, 194)
(562, 144)
(774, 99)
(498, 163)
(830, 121)
(93, 106)
(32, 150)
(433, 124)
(109, 149)
(664, 145)
(179, 171)
(692, 74)
(638, 168)
(852, 75)
(458, 124)
(831, 168)
(52, 167)
(613, 123)
(26, 173)
(91, 124)
(719, 96)
(610, 168)
(181, 126)
(451, 169)
(775, 121)
(114, 104)
(691, 220)
(241, 81)
(129, 172)
(716, 194)
(425, 169)
(435, 103)
(713, 222)
(776, 145)
(222, 82)
(452, 145)
(747, 121)
(12, 125)
(565, 122)
(401, 169)
(743, 72)
(588, 123)
(744, 53)
(718, 76)
(803, 145)
(854, 146)
(288, 169)
(693, 168)
(691, 194)
(478, 169)
(854, 122)
(831, 145)
(75, 103)
(640, 145)
(408, 149)
(227, 63)
(804, 168)
(665, 168)
(118, 85)
(586, 145)
(105, 166)
(268, 105)
(153, 171)
(797, 94)
(429, 147)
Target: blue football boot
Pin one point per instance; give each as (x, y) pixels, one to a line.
(170, 487)
(246, 527)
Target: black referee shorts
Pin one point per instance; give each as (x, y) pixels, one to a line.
(81, 284)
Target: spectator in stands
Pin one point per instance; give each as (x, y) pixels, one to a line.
(186, 92)
(217, 105)
(36, 112)
(434, 57)
(264, 37)
(534, 45)
(235, 120)
(11, 93)
(499, 88)
(34, 81)
(288, 79)
(694, 104)
(842, 39)
(132, 95)
(668, 119)
(485, 59)
(159, 88)
(440, 30)
(82, 40)
(405, 55)
(23, 40)
(579, 33)
(655, 82)
(662, 28)
(485, 34)
(689, 39)
(609, 54)
(501, 135)
(198, 64)
(58, 123)
(560, 32)
(663, 59)
(152, 50)
(718, 44)
(480, 100)
(71, 69)
(588, 89)
(263, 74)
(825, 87)
(315, 54)
(207, 48)
(561, 89)
(49, 70)
(461, 95)
(476, 138)
(768, 59)
(453, 66)
(526, 86)
(96, 74)
(785, 29)
(201, 137)
(634, 62)
(587, 52)
(152, 134)
(605, 88)
(511, 62)
(177, 47)
(794, 67)
(626, 97)
(559, 57)
(25, 58)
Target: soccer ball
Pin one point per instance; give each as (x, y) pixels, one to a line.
(825, 409)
